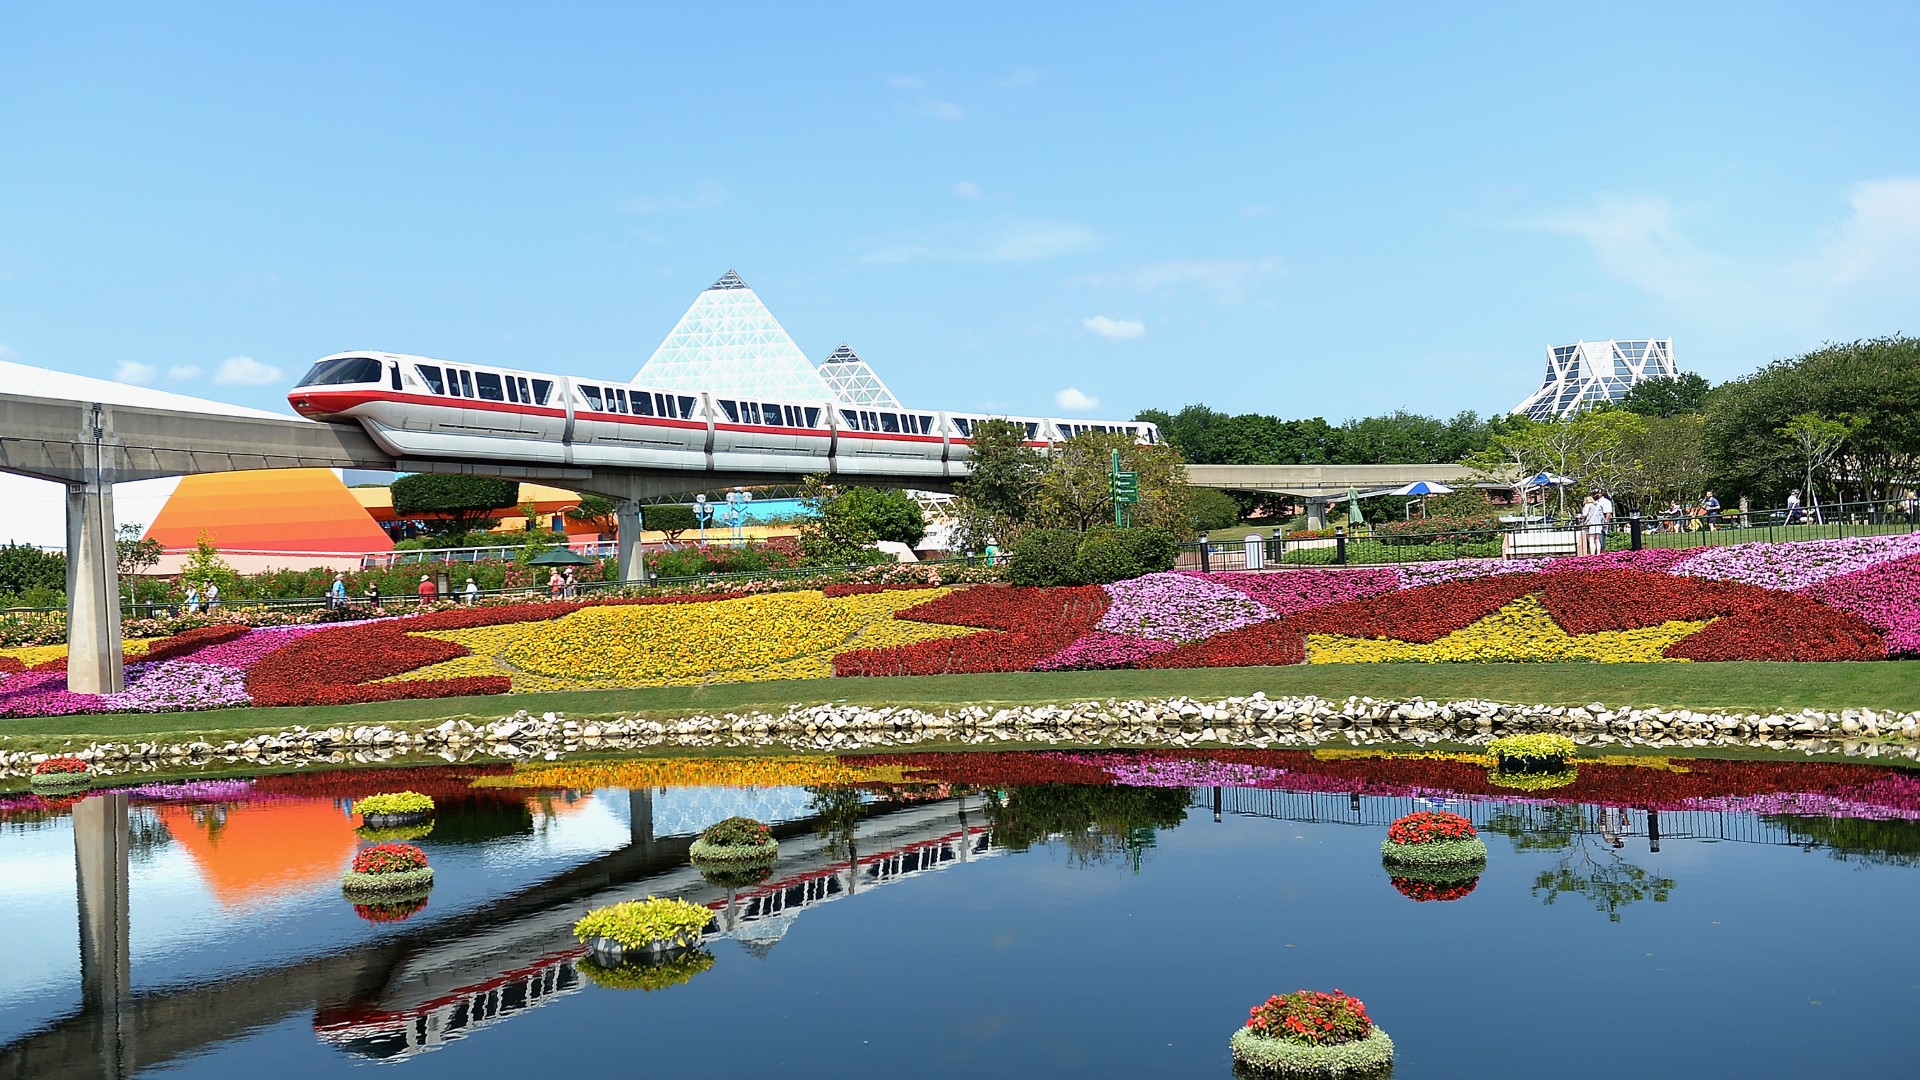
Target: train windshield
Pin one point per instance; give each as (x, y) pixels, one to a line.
(353, 369)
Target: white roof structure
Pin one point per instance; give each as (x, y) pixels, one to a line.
(37, 509)
(1589, 373)
(730, 344)
(854, 382)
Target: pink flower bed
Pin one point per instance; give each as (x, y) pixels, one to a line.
(1886, 596)
(1800, 564)
(1652, 560)
(1414, 575)
(1289, 592)
(1100, 649)
(1177, 608)
(1152, 770)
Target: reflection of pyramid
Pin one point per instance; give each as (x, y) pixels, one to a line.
(292, 510)
(854, 382)
(730, 344)
(760, 936)
(260, 851)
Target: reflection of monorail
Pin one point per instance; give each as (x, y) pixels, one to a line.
(758, 917)
(388, 1036)
(413, 406)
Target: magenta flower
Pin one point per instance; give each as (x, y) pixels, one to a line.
(1289, 592)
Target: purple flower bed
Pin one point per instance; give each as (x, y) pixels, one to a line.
(1100, 649)
(1807, 804)
(1146, 770)
(176, 685)
(242, 652)
(43, 693)
(1799, 564)
(1178, 608)
(1414, 575)
(1289, 592)
(1887, 596)
(192, 791)
(1651, 560)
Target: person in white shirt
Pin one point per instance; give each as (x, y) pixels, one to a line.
(473, 593)
(1593, 516)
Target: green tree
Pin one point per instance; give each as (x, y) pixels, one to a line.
(1817, 442)
(25, 568)
(465, 503)
(1670, 460)
(1682, 395)
(1073, 491)
(832, 533)
(888, 513)
(206, 566)
(994, 498)
(136, 554)
(1590, 447)
(672, 519)
(1208, 509)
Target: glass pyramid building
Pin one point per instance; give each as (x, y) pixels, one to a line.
(1589, 373)
(729, 343)
(855, 383)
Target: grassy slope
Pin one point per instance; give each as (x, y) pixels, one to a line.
(1747, 686)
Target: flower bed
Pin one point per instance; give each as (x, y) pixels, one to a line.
(1434, 840)
(1426, 889)
(391, 910)
(1533, 781)
(647, 977)
(388, 871)
(394, 809)
(1311, 1034)
(734, 841)
(58, 775)
(1541, 752)
(642, 928)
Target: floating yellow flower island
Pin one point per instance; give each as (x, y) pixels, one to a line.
(654, 933)
(1311, 1034)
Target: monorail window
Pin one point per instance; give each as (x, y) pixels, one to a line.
(890, 423)
(772, 415)
(466, 383)
(526, 396)
(642, 404)
(513, 390)
(592, 394)
(393, 373)
(731, 410)
(1033, 431)
(489, 385)
(926, 425)
(619, 400)
(353, 369)
(813, 417)
(686, 407)
(964, 425)
(542, 391)
(431, 376)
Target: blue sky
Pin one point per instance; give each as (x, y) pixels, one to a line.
(1310, 210)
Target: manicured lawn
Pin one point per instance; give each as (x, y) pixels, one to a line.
(1745, 686)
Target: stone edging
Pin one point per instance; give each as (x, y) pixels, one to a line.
(1255, 721)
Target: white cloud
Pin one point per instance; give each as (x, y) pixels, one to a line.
(967, 189)
(1114, 329)
(1016, 78)
(999, 240)
(183, 372)
(938, 109)
(1073, 400)
(1637, 239)
(705, 195)
(1880, 238)
(245, 371)
(1227, 280)
(135, 372)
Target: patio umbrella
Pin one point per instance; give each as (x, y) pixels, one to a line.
(1354, 516)
(1422, 488)
(559, 557)
(1547, 479)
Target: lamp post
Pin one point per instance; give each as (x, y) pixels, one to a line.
(702, 511)
(737, 502)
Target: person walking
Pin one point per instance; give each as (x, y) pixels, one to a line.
(373, 596)
(1593, 516)
(554, 584)
(193, 599)
(1793, 508)
(1712, 506)
(213, 597)
(1911, 504)
(428, 591)
(337, 595)
(473, 592)
(570, 586)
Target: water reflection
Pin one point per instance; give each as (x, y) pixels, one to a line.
(175, 970)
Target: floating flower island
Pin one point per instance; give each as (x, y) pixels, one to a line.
(61, 775)
(1538, 753)
(1426, 886)
(1309, 1033)
(388, 874)
(735, 853)
(1435, 842)
(645, 931)
(394, 810)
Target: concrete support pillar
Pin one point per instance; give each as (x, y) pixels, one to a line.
(100, 863)
(633, 558)
(1316, 513)
(640, 816)
(93, 582)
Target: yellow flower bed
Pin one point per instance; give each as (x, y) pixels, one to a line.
(31, 655)
(693, 772)
(1522, 631)
(751, 639)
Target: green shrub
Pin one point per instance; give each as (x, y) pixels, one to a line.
(639, 924)
(1533, 781)
(394, 802)
(1444, 854)
(1108, 554)
(1534, 750)
(736, 832)
(737, 840)
(1256, 1055)
(392, 883)
(648, 977)
(1045, 557)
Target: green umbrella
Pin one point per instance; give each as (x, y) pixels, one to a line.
(559, 557)
(1354, 516)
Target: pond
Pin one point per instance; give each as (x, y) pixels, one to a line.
(1109, 914)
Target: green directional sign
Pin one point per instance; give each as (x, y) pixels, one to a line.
(1126, 487)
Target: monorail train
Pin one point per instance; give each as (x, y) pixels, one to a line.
(413, 406)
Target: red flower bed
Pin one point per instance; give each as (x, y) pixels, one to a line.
(389, 859)
(1033, 623)
(440, 783)
(10, 665)
(189, 641)
(1750, 623)
(986, 769)
(1423, 615)
(1428, 891)
(1430, 827)
(1267, 644)
(1312, 1016)
(390, 913)
(1784, 627)
(59, 766)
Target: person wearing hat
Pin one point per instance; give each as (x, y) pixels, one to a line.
(427, 589)
(337, 596)
(473, 593)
